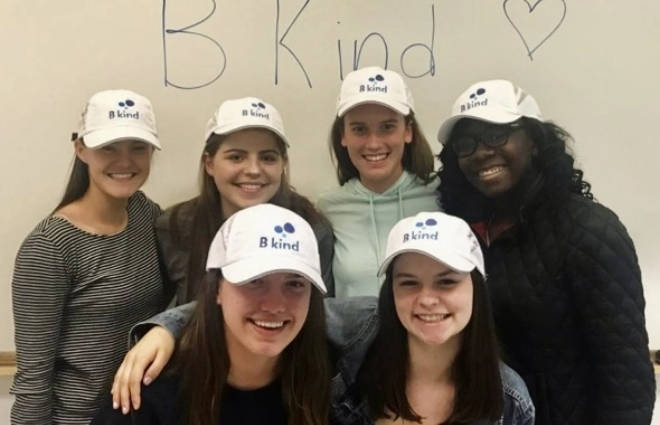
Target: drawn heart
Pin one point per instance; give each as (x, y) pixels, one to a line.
(532, 8)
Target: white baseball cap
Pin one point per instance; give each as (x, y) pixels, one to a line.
(247, 112)
(495, 101)
(115, 115)
(443, 237)
(374, 84)
(264, 239)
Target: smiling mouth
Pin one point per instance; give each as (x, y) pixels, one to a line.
(250, 187)
(375, 157)
(432, 318)
(488, 172)
(269, 325)
(121, 176)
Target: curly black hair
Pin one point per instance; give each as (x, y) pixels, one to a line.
(555, 166)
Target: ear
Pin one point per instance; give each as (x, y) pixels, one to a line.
(208, 163)
(80, 149)
(408, 135)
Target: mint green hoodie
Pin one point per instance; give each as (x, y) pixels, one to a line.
(362, 219)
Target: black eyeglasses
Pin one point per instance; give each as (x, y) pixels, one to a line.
(466, 145)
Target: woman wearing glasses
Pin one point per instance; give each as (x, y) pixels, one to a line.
(562, 271)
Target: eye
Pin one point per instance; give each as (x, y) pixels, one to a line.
(108, 148)
(359, 130)
(407, 283)
(270, 157)
(255, 283)
(447, 281)
(139, 147)
(297, 285)
(388, 127)
(234, 156)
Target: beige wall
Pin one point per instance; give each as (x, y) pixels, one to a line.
(595, 76)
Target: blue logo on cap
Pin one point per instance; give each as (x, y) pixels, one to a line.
(475, 100)
(122, 112)
(126, 103)
(286, 228)
(420, 232)
(279, 242)
(258, 109)
(374, 84)
(429, 222)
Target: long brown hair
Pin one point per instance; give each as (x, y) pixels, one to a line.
(208, 215)
(417, 155)
(475, 372)
(203, 363)
(77, 185)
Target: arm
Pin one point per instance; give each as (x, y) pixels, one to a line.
(146, 360)
(606, 281)
(40, 286)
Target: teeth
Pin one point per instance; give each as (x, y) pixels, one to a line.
(121, 175)
(250, 187)
(432, 317)
(490, 171)
(376, 157)
(269, 325)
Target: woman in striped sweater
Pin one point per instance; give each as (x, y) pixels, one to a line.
(90, 269)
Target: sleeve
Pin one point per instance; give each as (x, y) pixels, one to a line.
(326, 242)
(606, 283)
(40, 286)
(146, 415)
(173, 260)
(174, 320)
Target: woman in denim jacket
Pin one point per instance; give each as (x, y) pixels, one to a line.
(426, 352)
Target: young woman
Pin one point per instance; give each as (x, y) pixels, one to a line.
(90, 269)
(432, 331)
(385, 169)
(562, 270)
(254, 351)
(244, 163)
(425, 351)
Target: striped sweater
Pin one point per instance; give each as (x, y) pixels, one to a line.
(75, 296)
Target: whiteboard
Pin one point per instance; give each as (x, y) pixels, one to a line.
(593, 66)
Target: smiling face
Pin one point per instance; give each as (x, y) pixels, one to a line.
(262, 317)
(247, 169)
(375, 137)
(495, 171)
(116, 170)
(433, 302)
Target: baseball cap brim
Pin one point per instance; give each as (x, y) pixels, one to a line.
(248, 269)
(228, 129)
(104, 136)
(495, 116)
(447, 257)
(351, 103)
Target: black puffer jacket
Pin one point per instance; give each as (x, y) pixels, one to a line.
(568, 303)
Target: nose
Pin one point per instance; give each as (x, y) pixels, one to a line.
(274, 300)
(373, 140)
(483, 150)
(428, 298)
(253, 166)
(124, 156)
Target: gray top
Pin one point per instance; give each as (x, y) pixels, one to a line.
(75, 296)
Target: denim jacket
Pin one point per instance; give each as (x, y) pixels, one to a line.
(352, 327)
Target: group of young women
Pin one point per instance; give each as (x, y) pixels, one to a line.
(262, 345)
